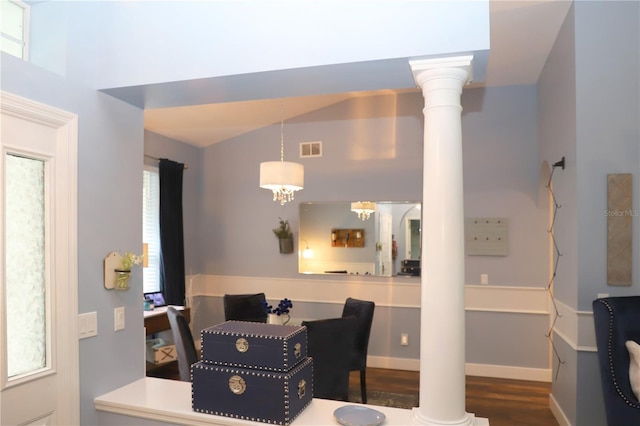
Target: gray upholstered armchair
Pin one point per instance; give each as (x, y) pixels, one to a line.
(617, 319)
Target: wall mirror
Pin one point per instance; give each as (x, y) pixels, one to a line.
(388, 242)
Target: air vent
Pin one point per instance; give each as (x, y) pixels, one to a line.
(310, 149)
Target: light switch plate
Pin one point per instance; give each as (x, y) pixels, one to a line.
(87, 324)
(118, 318)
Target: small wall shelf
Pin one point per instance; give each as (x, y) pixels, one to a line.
(347, 238)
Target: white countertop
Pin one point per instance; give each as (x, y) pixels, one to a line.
(170, 401)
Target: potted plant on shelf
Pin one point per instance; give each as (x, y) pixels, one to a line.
(285, 236)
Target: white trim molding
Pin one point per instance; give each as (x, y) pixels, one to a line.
(530, 300)
(480, 370)
(557, 411)
(524, 300)
(576, 328)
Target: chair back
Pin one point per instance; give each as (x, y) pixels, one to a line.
(183, 340)
(363, 311)
(245, 307)
(616, 320)
(329, 343)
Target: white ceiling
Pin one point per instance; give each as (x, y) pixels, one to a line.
(522, 34)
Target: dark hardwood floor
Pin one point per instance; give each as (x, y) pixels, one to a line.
(504, 402)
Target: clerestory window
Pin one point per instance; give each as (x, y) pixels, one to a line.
(15, 28)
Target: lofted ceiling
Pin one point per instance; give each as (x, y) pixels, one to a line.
(522, 35)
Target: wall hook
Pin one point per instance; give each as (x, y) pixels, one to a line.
(559, 163)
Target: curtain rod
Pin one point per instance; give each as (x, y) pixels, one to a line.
(186, 166)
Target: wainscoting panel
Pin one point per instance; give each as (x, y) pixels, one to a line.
(576, 328)
(385, 292)
(398, 311)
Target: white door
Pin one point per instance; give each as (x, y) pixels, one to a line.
(38, 257)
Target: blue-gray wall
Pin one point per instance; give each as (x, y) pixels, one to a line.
(372, 149)
(78, 47)
(589, 109)
(110, 147)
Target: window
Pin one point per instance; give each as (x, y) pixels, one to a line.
(151, 228)
(15, 28)
(26, 288)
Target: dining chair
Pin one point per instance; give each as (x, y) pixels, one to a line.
(363, 311)
(245, 307)
(329, 343)
(183, 339)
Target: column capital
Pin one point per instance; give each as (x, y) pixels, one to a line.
(422, 69)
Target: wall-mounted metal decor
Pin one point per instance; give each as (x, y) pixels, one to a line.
(487, 236)
(556, 260)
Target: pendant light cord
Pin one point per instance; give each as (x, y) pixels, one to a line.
(282, 140)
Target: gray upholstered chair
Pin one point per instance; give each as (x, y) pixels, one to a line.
(363, 311)
(183, 339)
(245, 307)
(329, 343)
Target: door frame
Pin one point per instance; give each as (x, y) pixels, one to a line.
(66, 341)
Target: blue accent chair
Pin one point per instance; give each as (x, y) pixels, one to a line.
(617, 319)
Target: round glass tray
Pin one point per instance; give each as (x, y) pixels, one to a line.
(357, 415)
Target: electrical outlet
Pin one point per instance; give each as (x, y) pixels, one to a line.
(118, 318)
(404, 339)
(602, 295)
(484, 279)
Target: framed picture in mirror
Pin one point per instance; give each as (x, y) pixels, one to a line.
(347, 238)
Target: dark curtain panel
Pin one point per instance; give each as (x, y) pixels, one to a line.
(171, 232)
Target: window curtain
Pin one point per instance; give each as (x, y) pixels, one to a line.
(171, 232)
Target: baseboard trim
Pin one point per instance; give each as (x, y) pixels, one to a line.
(557, 412)
(394, 363)
(482, 370)
(508, 372)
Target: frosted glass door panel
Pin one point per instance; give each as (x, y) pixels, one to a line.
(25, 279)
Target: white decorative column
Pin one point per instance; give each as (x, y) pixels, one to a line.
(442, 326)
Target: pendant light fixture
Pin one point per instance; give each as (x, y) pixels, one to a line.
(283, 178)
(364, 209)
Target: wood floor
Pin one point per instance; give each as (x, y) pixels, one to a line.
(504, 402)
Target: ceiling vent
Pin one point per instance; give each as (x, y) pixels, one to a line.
(310, 149)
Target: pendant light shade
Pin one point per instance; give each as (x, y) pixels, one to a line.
(363, 209)
(283, 178)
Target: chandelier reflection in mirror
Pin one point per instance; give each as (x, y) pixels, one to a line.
(364, 209)
(283, 178)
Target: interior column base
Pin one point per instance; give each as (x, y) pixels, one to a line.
(417, 418)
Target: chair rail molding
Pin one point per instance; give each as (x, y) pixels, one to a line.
(509, 299)
(576, 328)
